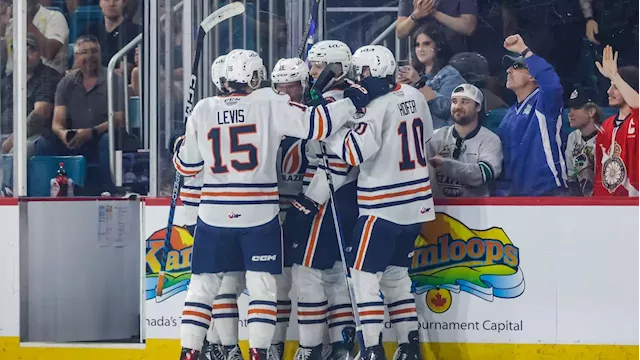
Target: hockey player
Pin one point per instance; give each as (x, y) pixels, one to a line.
(322, 293)
(225, 308)
(223, 334)
(234, 140)
(394, 199)
(290, 77)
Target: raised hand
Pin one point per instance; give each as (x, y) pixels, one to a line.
(514, 43)
(609, 66)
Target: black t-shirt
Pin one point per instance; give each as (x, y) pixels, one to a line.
(112, 42)
(41, 87)
(453, 8)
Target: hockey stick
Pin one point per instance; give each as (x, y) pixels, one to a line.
(218, 16)
(309, 31)
(325, 80)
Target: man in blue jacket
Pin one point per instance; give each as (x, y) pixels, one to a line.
(530, 131)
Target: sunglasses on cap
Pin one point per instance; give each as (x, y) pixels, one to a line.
(517, 65)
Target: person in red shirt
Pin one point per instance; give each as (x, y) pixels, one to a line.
(617, 141)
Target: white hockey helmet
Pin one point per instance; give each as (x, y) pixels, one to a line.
(378, 59)
(331, 51)
(219, 73)
(290, 70)
(242, 65)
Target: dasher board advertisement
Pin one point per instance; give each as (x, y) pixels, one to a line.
(481, 274)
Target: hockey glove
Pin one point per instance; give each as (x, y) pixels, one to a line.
(363, 92)
(305, 206)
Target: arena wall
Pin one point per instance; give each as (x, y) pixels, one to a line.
(495, 279)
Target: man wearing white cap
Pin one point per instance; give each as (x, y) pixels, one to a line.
(464, 157)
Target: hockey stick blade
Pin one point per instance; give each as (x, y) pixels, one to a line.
(326, 78)
(222, 14)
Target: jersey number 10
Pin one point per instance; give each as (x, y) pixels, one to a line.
(404, 130)
(219, 166)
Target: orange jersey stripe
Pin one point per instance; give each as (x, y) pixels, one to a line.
(371, 312)
(189, 195)
(195, 313)
(261, 311)
(320, 125)
(364, 241)
(403, 311)
(240, 194)
(183, 170)
(225, 306)
(352, 159)
(342, 314)
(313, 239)
(308, 175)
(395, 194)
(338, 165)
(282, 311)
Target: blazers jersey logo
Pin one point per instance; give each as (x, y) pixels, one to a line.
(293, 156)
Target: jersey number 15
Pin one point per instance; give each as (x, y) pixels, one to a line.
(219, 166)
(405, 132)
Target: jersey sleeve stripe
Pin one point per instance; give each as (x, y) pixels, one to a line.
(312, 126)
(182, 170)
(356, 147)
(321, 121)
(346, 150)
(328, 117)
(329, 156)
(487, 172)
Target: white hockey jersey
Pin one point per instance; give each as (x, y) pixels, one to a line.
(316, 186)
(190, 196)
(580, 155)
(235, 139)
(387, 143)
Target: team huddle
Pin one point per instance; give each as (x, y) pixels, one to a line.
(313, 194)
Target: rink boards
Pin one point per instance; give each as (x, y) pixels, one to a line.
(495, 279)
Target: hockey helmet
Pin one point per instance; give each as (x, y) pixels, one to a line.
(219, 73)
(290, 70)
(242, 65)
(331, 51)
(378, 59)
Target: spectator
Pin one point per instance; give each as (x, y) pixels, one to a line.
(457, 18)
(555, 29)
(41, 87)
(617, 142)
(465, 157)
(614, 23)
(530, 130)
(80, 115)
(430, 73)
(474, 68)
(585, 117)
(114, 32)
(50, 28)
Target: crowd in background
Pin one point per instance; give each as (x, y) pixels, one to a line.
(452, 42)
